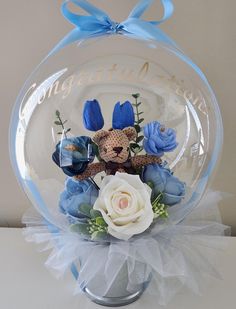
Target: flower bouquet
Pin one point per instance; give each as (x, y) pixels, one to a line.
(117, 233)
(136, 190)
(124, 218)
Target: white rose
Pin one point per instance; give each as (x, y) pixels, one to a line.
(125, 203)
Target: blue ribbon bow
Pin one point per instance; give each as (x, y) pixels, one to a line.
(98, 23)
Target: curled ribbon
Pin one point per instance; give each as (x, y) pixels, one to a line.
(98, 23)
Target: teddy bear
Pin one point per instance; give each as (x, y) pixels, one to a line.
(114, 150)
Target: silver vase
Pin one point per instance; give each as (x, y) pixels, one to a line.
(117, 295)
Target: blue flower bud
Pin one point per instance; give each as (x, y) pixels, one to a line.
(75, 194)
(164, 182)
(123, 116)
(74, 154)
(158, 139)
(92, 116)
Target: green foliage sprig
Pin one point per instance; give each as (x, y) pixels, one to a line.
(159, 209)
(95, 227)
(136, 147)
(61, 123)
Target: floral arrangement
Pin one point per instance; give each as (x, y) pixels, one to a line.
(125, 223)
(137, 189)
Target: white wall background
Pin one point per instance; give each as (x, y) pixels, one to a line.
(205, 29)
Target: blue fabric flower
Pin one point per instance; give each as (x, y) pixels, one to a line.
(75, 194)
(158, 139)
(74, 154)
(92, 116)
(123, 116)
(164, 182)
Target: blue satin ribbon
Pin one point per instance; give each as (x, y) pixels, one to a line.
(98, 23)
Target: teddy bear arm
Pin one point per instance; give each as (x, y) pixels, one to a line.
(143, 160)
(92, 170)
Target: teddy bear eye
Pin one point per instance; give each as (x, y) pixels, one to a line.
(105, 149)
(127, 148)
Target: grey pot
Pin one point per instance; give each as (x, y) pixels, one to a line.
(117, 295)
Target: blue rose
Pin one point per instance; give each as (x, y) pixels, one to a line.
(158, 139)
(123, 116)
(75, 194)
(163, 181)
(74, 154)
(92, 116)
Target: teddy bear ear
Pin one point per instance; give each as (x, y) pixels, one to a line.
(99, 135)
(131, 133)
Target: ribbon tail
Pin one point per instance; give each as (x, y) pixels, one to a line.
(140, 8)
(71, 37)
(147, 31)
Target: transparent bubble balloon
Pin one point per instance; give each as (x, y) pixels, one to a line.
(110, 69)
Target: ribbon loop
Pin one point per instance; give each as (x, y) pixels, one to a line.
(78, 20)
(143, 5)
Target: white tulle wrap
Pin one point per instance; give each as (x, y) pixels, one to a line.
(179, 255)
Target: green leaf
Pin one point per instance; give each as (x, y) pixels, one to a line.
(81, 228)
(57, 113)
(58, 123)
(134, 145)
(150, 184)
(94, 213)
(141, 120)
(140, 113)
(165, 215)
(137, 128)
(99, 235)
(135, 148)
(100, 221)
(139, 139)
(157, 199)
(136, 95)
(85, 209)
(59, 133)
(137, 104)
(68, 130)
(95, 148)
(65, 121)
(96, 151)
(160, 211)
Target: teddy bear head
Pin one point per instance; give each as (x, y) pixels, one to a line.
(114, 144)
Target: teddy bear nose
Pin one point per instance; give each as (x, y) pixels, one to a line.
(118, 149)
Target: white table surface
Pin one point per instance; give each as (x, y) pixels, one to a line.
(26, 283)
